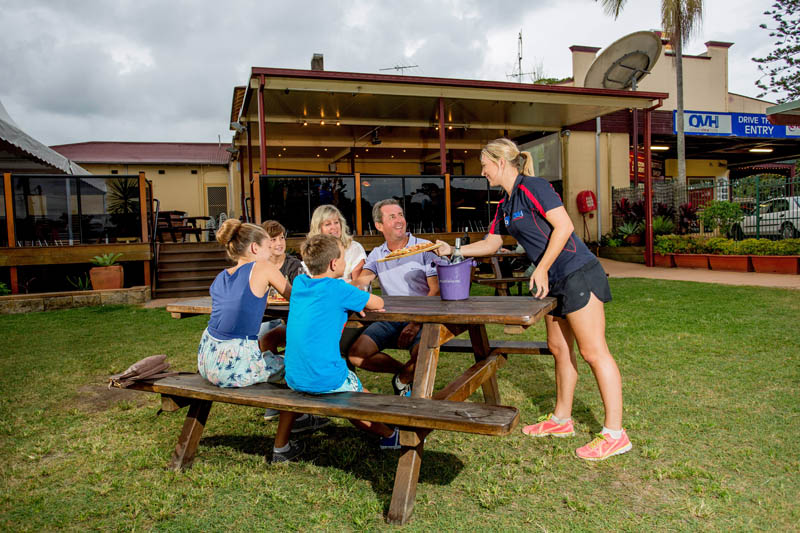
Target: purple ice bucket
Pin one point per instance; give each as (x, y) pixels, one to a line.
(455, 280)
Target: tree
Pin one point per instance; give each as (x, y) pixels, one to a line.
(782, 65)
(680, 19)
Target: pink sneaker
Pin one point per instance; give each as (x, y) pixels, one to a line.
(604, 446)
(546, 427)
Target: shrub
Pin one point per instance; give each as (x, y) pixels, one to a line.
(4, 289)
(721, 214)
(663, 210)
(663, 225)
(629, 211)
(687, 216)
(683, 244)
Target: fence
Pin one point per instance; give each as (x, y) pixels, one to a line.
(770, 205)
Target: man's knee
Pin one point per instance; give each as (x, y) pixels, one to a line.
(362, 349)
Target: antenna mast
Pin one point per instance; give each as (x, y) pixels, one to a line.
(518, 74)
(401, 68)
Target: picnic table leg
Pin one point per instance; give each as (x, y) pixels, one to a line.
(193, 426)
(405, 480)
(480, 346)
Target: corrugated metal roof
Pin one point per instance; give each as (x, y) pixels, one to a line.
(146, 153)
(23, 143)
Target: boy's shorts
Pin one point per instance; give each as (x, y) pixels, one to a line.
(573, 292)
(385, 334)
(351, 384)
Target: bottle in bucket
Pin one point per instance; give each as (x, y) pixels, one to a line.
(456, 256)
(455, 279)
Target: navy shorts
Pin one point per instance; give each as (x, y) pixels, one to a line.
(572, 292)
(385, 334)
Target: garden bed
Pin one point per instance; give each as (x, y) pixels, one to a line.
(48, 301)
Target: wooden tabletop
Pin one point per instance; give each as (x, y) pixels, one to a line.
(510, 310)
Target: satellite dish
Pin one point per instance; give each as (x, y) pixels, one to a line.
(626, 61)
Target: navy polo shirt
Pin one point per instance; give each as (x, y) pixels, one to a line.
(522, 215)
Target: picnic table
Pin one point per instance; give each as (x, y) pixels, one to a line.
(441, 321)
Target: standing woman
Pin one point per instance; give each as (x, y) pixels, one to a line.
(328, 220)
(532, 212)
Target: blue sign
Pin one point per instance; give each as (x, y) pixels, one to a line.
(751, 125)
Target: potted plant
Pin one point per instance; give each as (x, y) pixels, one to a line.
(631, 232)
(773, 257)
(725, 256)
(690, 253)
(106, 274)
(663, 248)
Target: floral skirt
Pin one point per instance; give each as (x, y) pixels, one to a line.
(236, 362)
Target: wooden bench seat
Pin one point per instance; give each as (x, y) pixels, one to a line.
(420, 413)
(499, 347)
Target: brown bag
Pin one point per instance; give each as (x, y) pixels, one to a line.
(153, 367)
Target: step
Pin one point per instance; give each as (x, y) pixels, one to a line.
(184, 282)
(168, 259)
(184, 276)
(191, 256)
(180, 292)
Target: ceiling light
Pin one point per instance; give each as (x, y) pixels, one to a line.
(761, 150)
(658, 148)
(338, 123)
(466, 207)
(284, 148)
(326, 149)
(404, 150)
(321, 122)
(366, 149)
(449, 127)
(305, 123)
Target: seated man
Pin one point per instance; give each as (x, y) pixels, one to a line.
(414, 275)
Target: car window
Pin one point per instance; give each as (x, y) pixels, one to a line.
(764, 208)
(780, 205)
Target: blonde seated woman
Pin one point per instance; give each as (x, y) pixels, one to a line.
(328, 220)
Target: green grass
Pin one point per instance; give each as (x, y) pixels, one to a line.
(711, 378)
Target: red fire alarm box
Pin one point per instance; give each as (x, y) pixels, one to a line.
(587, 202)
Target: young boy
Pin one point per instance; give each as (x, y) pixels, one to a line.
(318, 311)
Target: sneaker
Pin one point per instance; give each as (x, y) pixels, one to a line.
(604, 446)
(400, 388)
(391, 443)
(295, 449)
(547, 428)
(309, 424)
(271, 414)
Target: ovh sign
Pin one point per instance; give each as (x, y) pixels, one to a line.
(733, 125)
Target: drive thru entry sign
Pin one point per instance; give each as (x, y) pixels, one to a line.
(733, 125)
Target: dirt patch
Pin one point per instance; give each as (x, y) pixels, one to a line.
(97, 397)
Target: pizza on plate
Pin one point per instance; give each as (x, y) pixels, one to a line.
(275, 298)
(411, 250)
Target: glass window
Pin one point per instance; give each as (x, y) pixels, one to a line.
(424, 200)
(3, 230)
(473, 205)
(373, 190)
(66, 210)
(339, 191)
(286, 200)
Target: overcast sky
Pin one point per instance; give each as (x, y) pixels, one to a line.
(164, 70)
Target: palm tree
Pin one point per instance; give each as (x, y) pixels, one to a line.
(680, 19)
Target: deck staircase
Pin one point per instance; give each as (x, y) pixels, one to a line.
(187, 269)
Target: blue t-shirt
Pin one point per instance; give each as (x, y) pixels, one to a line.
(236, 312)
(318, 311)
(522, 215)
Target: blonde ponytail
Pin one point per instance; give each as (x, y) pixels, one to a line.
(507, 149)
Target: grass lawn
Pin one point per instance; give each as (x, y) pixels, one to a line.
(711, 378)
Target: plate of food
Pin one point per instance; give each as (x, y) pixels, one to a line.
(275, 298)
(411, 250)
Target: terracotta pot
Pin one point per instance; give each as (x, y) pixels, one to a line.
(664, 261)
(110, 277)
(734, 263)
(776, 264)
(633, 239)
(691, 260)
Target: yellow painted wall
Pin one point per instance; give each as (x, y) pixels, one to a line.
(698, 167)
(177, 189)
(738, 103)
(580, 174)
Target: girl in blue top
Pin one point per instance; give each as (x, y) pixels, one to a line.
(229, 355)
(532, 212)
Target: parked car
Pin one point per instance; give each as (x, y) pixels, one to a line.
(780, 217)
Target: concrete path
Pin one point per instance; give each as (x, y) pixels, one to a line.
(620, 269)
